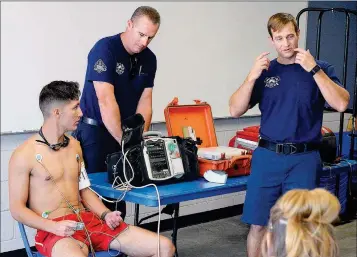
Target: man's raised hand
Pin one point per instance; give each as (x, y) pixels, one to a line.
(261, 63)
(305, 59)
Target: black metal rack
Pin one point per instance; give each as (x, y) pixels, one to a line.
(353, 110)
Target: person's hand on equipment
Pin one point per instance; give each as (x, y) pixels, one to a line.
(305, 59)
(261, 63)
(64, 228)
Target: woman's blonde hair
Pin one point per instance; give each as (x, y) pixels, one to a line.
(300, 225)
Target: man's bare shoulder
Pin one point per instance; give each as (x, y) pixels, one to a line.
(75, 143)
(23, 154)
(27, 146)
(73, 139)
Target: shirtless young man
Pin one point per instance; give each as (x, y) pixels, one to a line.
(47, 191)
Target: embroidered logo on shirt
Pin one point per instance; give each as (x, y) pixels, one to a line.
(120, 68)
(99, 66)
(272, 82)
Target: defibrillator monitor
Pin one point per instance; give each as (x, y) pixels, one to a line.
(162, 158)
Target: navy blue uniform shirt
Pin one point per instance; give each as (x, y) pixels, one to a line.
(290, 102)
(108, 61)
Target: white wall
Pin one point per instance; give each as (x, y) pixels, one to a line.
(201, 47)
(225, 130)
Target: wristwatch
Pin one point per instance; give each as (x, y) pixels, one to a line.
(315, 69)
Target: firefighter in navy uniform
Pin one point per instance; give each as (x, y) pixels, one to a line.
(291, 91)
(119, 83)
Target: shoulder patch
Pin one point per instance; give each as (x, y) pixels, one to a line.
(100, 66)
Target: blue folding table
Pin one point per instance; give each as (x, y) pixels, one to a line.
(169, 194)
(185, 191)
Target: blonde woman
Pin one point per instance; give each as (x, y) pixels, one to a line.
(300, 225)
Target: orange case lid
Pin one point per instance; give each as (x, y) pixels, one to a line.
(198, 116)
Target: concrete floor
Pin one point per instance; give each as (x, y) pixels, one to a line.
(227, 237)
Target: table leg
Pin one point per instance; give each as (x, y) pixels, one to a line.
(175, 227)
(136, 215)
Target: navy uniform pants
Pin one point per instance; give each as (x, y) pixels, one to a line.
(273, 174)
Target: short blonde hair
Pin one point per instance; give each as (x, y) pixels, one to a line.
(279, 20)
(149, 12)
(301, 225)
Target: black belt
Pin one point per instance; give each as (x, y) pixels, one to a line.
(92, 122)
(288, 148)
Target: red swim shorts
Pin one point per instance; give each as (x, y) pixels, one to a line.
(45, 241)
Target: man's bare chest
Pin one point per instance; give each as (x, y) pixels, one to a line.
(56, 166)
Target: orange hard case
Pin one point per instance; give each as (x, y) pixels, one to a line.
(199, 117)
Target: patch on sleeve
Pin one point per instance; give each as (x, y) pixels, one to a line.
(100, 66)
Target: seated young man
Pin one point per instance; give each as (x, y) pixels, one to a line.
(47, 190)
